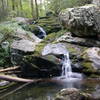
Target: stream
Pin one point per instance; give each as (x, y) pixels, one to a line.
(48, 90)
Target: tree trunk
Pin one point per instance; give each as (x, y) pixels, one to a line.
(3, 6)
(16, 79)
(21, 6)
(37, 11)
(13, 4)
(32, 8)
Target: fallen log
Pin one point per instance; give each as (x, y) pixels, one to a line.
(16, 79)
(9, 69)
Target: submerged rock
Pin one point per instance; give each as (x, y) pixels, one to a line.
(3, 83)
(72, 94)
(82, 21)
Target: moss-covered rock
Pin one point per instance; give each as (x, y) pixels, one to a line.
(40, 67)
(49, 24)
(91, 61)
(82, 21)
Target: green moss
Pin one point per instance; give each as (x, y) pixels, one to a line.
(88, 67)
(39, 48)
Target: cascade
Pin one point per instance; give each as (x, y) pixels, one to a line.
(66, 66)
(42, 33)
(60, 49)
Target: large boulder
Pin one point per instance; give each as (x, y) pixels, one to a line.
(82, 21)
(40, 67)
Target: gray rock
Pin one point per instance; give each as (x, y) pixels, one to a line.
(93, 55)
(82, 21)
(56, 49)
(23, 45)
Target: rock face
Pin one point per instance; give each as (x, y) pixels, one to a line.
(39, 67)
(82, 21)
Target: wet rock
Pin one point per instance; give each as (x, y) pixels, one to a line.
(82, 21)
(96, 94)
(49, 24)
(72, 94)
(3, 83)
(92, 58)
(40, 67)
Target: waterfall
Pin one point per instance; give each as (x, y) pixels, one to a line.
(42, 33)
(60, 49)
(66, 66)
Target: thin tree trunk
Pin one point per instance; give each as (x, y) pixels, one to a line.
(13, 4)
(3, 6)
(16, 79)
(37, 11)
(21, 5)
(32, 8)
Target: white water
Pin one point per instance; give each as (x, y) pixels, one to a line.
(67, 69)
(43, 31)
(60, 49)
(66, 66)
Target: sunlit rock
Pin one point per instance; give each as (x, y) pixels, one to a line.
(82, 21)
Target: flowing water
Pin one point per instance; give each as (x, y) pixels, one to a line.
(42, 33)
(48, 89)
(60, 49)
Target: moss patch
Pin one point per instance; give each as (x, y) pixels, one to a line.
(88, 67)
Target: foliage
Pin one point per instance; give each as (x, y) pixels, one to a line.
(58, 5)
(6, 30)
(4, 58)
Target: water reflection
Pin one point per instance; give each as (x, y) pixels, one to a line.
(47, 90)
